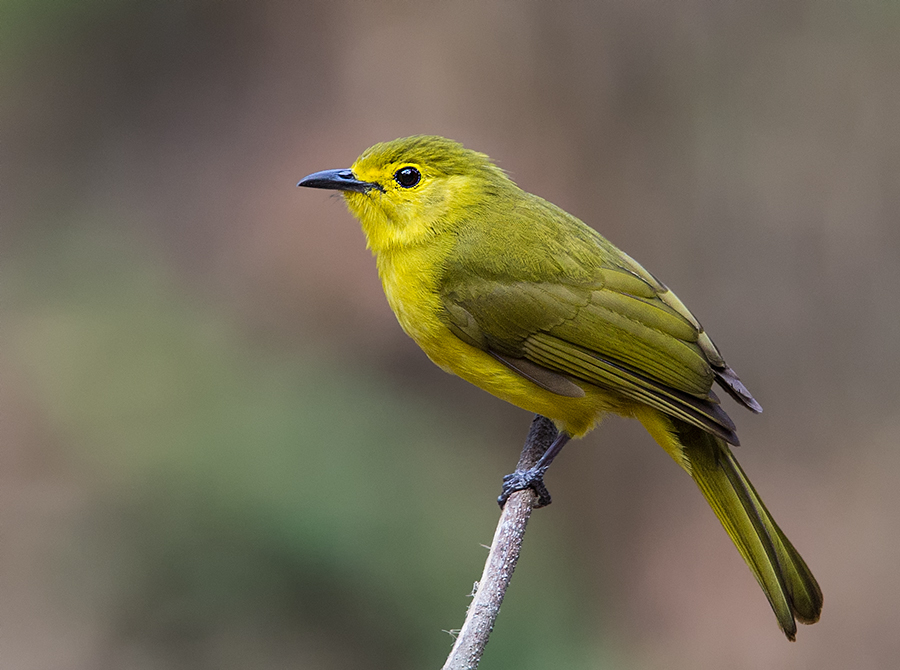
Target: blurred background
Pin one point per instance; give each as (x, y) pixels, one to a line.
(217, 447)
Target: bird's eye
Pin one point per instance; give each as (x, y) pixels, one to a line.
(407, 177)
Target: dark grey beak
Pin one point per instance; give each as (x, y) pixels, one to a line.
(337, 180)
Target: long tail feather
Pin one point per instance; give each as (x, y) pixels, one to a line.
(781, 572)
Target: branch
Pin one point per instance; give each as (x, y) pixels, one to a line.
(502, 559)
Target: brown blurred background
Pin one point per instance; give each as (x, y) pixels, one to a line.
(217, 448)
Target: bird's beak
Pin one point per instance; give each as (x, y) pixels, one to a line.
(337, 180)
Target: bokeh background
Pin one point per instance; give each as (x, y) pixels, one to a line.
(217, 448)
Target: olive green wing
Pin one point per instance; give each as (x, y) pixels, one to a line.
(622, 331)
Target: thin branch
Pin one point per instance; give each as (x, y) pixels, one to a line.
(502, 559)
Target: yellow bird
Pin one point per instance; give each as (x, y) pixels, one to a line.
(527, 302)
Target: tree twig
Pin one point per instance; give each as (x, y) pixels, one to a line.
(502, 559)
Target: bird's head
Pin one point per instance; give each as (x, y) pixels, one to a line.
(406, 191)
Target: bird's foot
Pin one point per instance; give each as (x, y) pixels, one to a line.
(520, 480)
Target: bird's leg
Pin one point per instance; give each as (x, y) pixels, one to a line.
(533, 477)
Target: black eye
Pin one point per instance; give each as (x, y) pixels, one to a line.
(407, 177)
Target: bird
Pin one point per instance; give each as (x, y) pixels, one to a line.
(527, 302)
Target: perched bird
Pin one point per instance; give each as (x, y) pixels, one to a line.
(527, 302)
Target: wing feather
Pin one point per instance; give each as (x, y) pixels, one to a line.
(704, 413)
(583, 312)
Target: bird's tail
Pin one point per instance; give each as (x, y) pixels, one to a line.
(781, 572)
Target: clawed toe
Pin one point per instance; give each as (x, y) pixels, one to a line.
(525, 479)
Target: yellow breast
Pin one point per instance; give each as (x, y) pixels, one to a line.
(409, 278)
